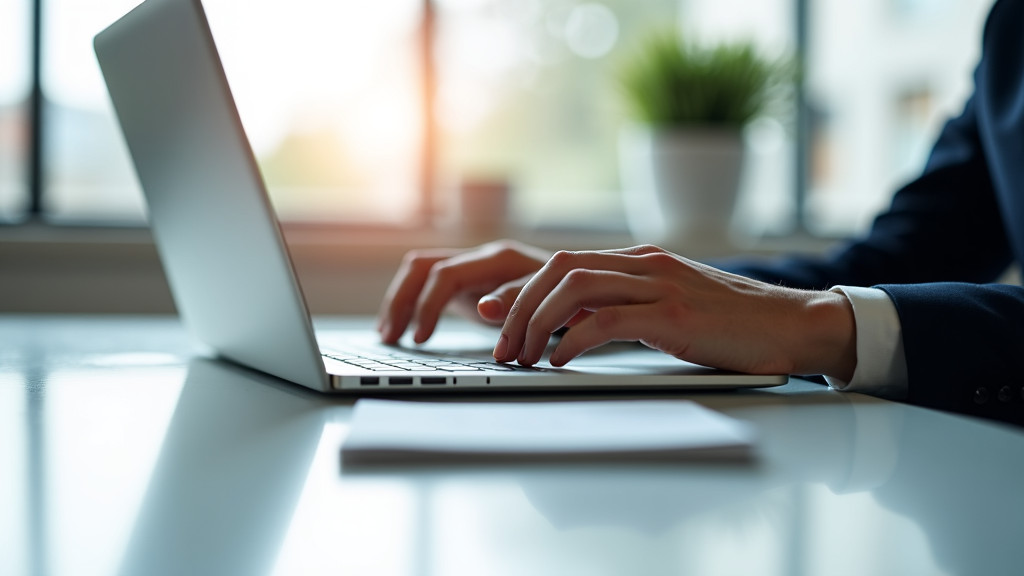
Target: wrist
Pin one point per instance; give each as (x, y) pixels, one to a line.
(828, 336)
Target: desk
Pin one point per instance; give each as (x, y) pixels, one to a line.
(124, 452)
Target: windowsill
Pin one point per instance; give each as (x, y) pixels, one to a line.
(343, 270)
(389, 239)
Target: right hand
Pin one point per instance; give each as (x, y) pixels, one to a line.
(480, 283)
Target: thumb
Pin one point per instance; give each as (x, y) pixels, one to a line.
(494, 306)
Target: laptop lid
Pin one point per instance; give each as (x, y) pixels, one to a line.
(218, 238)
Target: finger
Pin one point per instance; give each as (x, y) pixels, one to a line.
(399, 302)
(493, 307)
(582, 289)
(644, 322)
(556, 268)
(400, 298)
(479, 271)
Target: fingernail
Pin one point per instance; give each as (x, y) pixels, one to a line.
(501, 348)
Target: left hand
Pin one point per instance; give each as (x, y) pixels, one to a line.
(481, 283)
(690, 310)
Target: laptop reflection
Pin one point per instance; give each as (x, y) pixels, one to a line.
(229, 474)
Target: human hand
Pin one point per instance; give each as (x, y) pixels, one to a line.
(683, 308)
(480, 283)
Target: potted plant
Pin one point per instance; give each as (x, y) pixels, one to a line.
(682, 157)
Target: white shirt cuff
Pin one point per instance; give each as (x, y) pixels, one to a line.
(881, 364)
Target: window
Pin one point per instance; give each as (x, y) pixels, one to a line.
(15, 26)
(327, 92)
(882, 78)
(527, 96)
(87, 172)
(330, 96)
(523, 96)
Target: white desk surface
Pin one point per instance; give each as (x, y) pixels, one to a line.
(122, 451)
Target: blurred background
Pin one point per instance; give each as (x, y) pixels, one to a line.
(368, 118)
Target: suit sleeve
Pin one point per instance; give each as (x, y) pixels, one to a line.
(964, 346)
(941, 243)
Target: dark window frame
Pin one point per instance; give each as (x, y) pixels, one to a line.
(37, 114)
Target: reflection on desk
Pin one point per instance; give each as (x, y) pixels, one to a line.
(125, 453)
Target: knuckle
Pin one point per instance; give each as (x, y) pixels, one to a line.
(646, 249)
(418, 261)
(503, 246)
(577, 278)
(505, 251)
(413, 256)
(562, 258)
(443, 273)
(660, 259)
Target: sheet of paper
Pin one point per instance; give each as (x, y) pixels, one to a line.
(401, 431)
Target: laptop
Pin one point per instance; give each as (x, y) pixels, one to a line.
(225, 257)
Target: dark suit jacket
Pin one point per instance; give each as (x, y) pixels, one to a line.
(947, 236)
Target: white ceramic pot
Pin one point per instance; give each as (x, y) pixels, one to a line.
(680, 186)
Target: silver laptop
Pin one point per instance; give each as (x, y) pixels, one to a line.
(225, 257)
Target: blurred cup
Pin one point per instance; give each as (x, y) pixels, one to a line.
(484, 206)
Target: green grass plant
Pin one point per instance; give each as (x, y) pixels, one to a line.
(669, 82)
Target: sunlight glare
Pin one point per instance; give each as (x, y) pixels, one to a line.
(284, 59)
(14, 47)
(591, 30)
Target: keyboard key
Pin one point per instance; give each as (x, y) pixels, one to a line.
(493, 366)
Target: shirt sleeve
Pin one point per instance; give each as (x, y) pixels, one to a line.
(881, 364)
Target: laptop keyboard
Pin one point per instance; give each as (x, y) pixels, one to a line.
(398, 361)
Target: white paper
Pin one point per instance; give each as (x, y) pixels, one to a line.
(399, 431)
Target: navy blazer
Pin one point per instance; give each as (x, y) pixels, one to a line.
(946, 238)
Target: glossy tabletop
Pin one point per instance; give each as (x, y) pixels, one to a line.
(123, 450)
